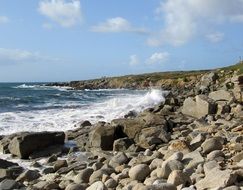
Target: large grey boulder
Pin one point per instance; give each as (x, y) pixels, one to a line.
(26, 143)
(200, 107)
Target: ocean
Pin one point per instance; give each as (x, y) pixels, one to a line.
(36, 107)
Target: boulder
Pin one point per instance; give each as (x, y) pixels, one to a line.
(217, 179)
(221, 95)
(102, 137)
(74, 186)
(26, 143)
(4, 164)
(199, 108)
(139, 172)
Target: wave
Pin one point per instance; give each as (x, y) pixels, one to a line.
(42, 87)
(65, 117)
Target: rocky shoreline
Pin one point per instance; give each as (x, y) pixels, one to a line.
(191, 141)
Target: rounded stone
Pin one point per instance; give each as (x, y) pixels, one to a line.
(139, 172)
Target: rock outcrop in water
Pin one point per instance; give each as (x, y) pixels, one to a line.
(192, 141)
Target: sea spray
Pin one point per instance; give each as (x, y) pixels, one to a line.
(40, 109)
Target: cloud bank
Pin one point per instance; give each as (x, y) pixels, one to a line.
(65, 13)
(184, 19)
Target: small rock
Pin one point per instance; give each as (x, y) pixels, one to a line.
(60, 164)
(83, 176)
(97, 186)
(177, 177)
(210, 145)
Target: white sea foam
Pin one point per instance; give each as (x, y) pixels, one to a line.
(65, 118)
(42, 87)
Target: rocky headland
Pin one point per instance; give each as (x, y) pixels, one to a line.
(191, 141)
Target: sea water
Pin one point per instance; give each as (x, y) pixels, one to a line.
(36, 107)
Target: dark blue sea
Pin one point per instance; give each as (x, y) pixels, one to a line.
(36, 107)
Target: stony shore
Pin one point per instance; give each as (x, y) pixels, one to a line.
(191, 141)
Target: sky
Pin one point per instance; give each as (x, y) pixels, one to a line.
(65, 40)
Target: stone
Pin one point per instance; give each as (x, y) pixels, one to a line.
(233, 187)
(214, 155)
(47, 185)
(111, 183)
(96, 176)
(221, 95)
(238, 157)
(60, 164)
(122, 144)
(11, 172)
(179, 145)
(26, 143)
(83, 176)
(211, 144)
(139, 172)
(83, 124)
(160, 186)
(167, 167)
(199, 108)
(177, 177)
(9, 184)
(102, 137)
(119, 159)
(192, 159)
(217, 179)
(74, 186)
(97, 186)
(28, 176)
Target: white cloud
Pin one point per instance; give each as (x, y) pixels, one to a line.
(184, 19)
(13, 56)
(134, 60)
(215, 37)
(158, 58)
(4, 19)
(66, 13)
(117, 24)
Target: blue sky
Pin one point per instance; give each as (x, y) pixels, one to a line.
(63, 40)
